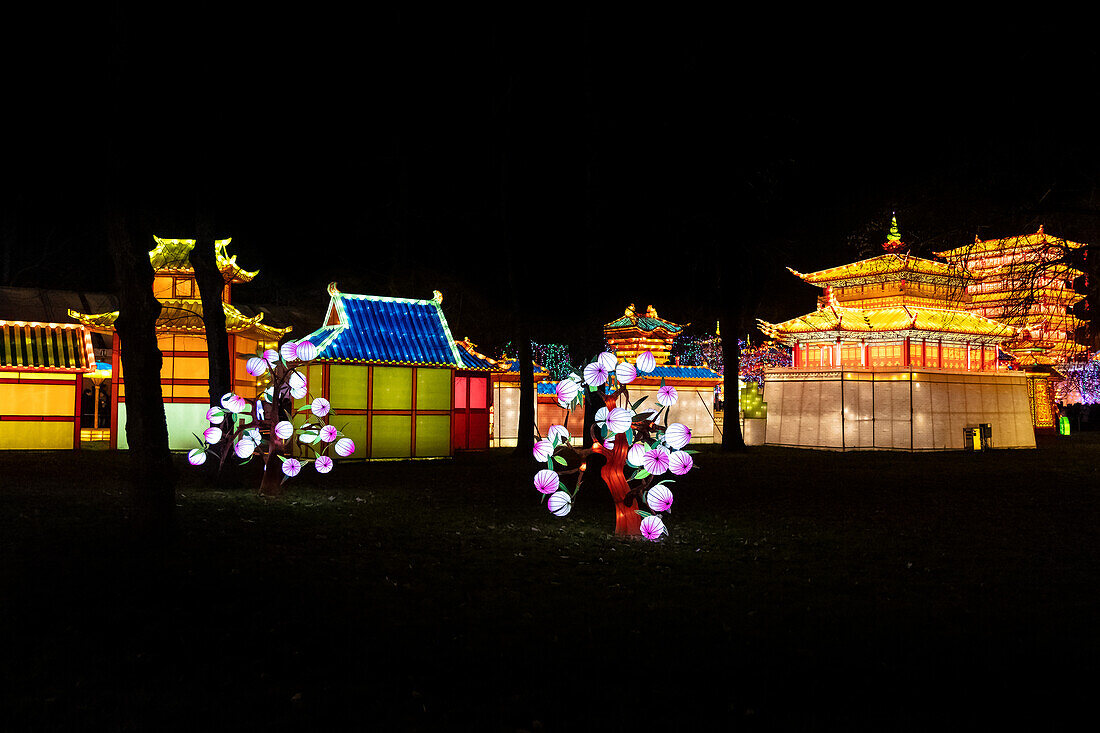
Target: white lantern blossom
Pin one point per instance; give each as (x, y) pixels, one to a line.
(543, 450)
(196, 456)
(652, 528)
(284, 429)
(559, 503)
(680, 462)
(566, 392)
(618, 420)
(645, 362)
(607, 360)
(655, 460)
(291, 466)
(546, 481)
(305, 351)
(666, 395)
(595, 374)
(626, 373)
(344, 447)
(659, 498)
(635, 455)
(558, 431)
(323, 464)
(677, 435)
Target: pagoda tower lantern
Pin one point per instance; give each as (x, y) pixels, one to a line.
(181, 337)
(631, 334)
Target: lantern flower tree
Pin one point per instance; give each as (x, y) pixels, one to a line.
(639, 448)
(260, 429)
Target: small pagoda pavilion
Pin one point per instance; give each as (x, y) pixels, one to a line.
(630, 335)
(181, 336)
(401, 385)
(892, 358)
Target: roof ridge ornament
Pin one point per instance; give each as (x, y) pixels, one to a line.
(332, 289)
(893, 243)
(437, 297)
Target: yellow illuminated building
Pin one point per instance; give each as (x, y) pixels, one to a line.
(181, 336)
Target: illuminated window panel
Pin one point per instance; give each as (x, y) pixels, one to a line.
(433, 435)
(347, 386)
(391, 436)
(392, 388)
(433, 389)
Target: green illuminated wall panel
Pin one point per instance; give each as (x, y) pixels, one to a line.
(347, 387)
(433, 389)
(391, 435)
(433, 435)
(354, 427)
(393, 389)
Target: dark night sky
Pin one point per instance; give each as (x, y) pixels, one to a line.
(365, 149)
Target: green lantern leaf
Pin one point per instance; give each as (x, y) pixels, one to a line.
(560, 460)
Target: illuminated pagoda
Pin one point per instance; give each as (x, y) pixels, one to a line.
(181, 337)
(632, 334)
(401, 385)
(893, 359)
(1022, 283)
(42, 366)
(1013, 285)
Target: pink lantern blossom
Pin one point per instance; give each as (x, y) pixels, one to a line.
(595, 374)
(320, 407)
(284, 429)
(666, 395)
(271, 356)
(655, 460)
(543, 450)
(196, 456)
(344, 447)
(323, 464)
(646, 363)
(234, 402)
(212, 435)
(626, 373)
(652, 528)
(607, 360)
(546, 481)
(291, 466)
(635, 455)
(559, 503)
(680, 462)
(244, 447)
(289, 351)
(305, 351)
(609, 444)
(329, 433)
(677, 435)
(558, 431)
(255, 366)
(618, 420)
(659, 499)
(566, 392)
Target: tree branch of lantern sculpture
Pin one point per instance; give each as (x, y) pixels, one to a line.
(264, 432)
(637, 441)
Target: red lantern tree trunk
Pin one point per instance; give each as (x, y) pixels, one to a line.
(627, 521)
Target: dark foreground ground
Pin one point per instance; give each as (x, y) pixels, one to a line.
(798, 591)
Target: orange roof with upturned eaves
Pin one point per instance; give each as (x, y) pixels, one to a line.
(1025, 242)
(835, 318)
(887, 266)
(178, 314)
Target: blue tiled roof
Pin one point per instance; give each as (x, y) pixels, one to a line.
(670, 371)
(385, 330)
(546, 387)
(540, 371)
(473, 362)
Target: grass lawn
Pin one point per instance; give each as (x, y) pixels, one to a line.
(799, 590)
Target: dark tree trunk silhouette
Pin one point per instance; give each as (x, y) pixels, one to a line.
(211, 284)
(152, 475)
